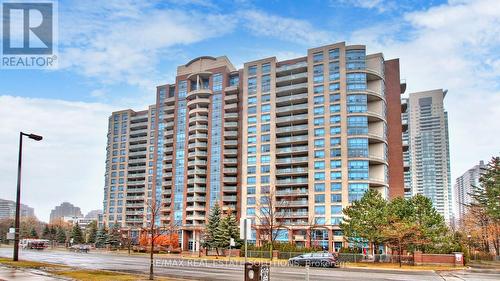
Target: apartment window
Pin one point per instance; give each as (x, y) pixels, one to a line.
(334, 54)
(355, 59)
(319, 198)
(265, 169)
(265, 138)
(335, 119)
(334, 87)
(334, 68)
(357, 147)
(356, 103)
(319, 165)
(318, 73)
(356, 191)
(317, 57)
(334, 141)
(252, 70)
(335, 130)
(357, 125)
(335, 186)
(251, 211)
(252, 110)
(319, 210)
(336, 198)
(252, 85)
(252, 120)
(265, 127)
(336, 210)
(356, 81)
(252, 140)
(265, 118)
(319, 176)
(335, 108)
(319, 143)
(251, 170)
(334, 97)
(336, 221)
(251, 160)
(319, 187)
(319, 99)
(252, 149)
(318, 121)
(335, 164)
(320, 110)
(264, 179)
(319, 154)
(234, 80)
(266, 83)
(266, 68)
(252, 100)
(265, 108)
(252, 130)
(265, 147)
(319, 89)
(265, 159)
(319, 220)
(358, 169)
(265, 98)
(336, 175)
(319, 132)
(251, 180)
(251, 201)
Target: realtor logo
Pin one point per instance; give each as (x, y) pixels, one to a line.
(29, 34)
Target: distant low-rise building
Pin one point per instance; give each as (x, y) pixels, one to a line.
(66, 209)
(8, 210)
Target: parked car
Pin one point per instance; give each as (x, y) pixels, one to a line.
(80, 248)
(314, 259)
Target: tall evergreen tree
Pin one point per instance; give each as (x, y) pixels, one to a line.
(46, 233)
(233, 229)
(33, 233)
(61, 235)
(91, 232)
(114, 236)
(222, 234)
(212, 226)
(101, 237)
(76, 234)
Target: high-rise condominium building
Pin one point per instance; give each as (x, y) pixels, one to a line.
(465, 185)
(310, 134)
(427, 162)
(8, 210)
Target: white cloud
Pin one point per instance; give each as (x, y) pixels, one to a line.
(452, 46)
(67, 165)
(379, 5)
(288, 29)
(123, 41)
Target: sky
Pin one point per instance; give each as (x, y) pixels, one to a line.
(112, 55)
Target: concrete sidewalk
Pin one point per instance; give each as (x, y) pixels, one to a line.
(7, 273)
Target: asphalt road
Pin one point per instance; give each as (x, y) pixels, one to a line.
(209, 270)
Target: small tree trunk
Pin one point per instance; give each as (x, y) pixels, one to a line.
(151, 255)
(399, 252)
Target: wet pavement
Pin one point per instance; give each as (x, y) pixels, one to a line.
(7, 273)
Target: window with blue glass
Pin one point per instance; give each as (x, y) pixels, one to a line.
(356, 191)
(335, 119)
(266, 83)
(251, 170)
(335, 186)
(251, 211)
(357, 125)
(318, 89)
(334, 141)
(252, 100)
(318, 121)
(334, 54)
(252, 70)
(266, 68)
(265, 148)
(252, 149)
(336, 198)
(336, 175)
(265, 138)
(319, 220)
(335, 130)
(319, 187)
(265, 159)
(234, 80)
(265, 169)
(319, 132)
(319, 165)
(265, 98)
(334, 97)
(356, 81)
(252, 140)
(334, 71)
(252, 120)
(319, 99)
(265, 118)
(335, 164)
(265, 108)
(251, 160)
(252, 110)
(319, 143)
(335, 108)
(358, 169)
(319, 198)
(319, 176)
(179, 155)
(356, 103)
(319, 110)
(355, 59)
(264, 179)
(357, 147)
(319, 154)
(318, 73)
(319, 210)
(252, 130)
(334, 87)
(265, 128)
(251, 180)
(251, 201)
(252, 85)
(336, 221)
(336, 210)
(318, 57)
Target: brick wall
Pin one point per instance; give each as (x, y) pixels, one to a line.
(455, 259)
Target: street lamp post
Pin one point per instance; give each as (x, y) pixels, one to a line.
(18, 195)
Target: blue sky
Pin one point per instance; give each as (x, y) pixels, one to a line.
(113, 53)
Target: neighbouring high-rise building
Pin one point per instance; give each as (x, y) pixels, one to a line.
(465, 185)
(427, 161)
(8, 210)
(66, 209)
(310, 135)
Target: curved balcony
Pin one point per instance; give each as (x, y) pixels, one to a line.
(198, 101)
(199, 128)
(377, 182)
(373, 74)
(198, 111)
(377, 159)
(198, 137)
(202, 74)
(375, 138)
(374, 116)
(198, 118)
(374, 95)
(202, 93)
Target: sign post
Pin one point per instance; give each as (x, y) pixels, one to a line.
(245, 233)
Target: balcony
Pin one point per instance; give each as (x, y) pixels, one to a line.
(230, 161)
(292, 214)
(231, 89)
(229, 198)
(302, 138)
(292, 67)
(230, 179)
(292, 171)
(374, 137)
(198, 128)
(230, 151)
(296, 181)
(296, 128)
(284, 150)
(292, 118)
(287, 99)
(406, 145)
(231, 143)
(203, 92)
(377, 159)
(296, 88)
(230, 170)
(229, 189)
(197, 172)
(197, 181)
(297, 203)
(199, 118)
(198, 145)
(406, 166)
(230, 134)
(197, 153)
(137, 153)
(292, 192)
(299, 77)
(377, 182)
(299, 108)
(292, 160)
(198, 136)
(197, 162)
(231, 124)
(231, 116)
